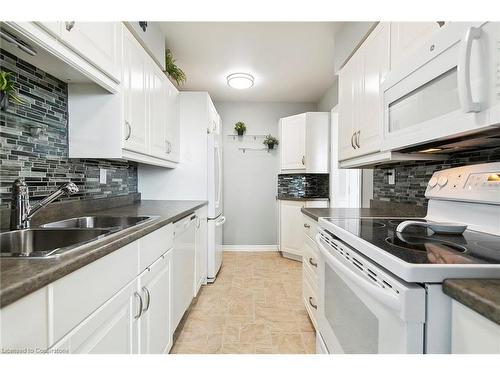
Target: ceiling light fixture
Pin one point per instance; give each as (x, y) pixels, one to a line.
(240, 81)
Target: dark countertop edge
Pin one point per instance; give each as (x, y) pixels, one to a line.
(480, 295)
(301, 199)
(90, 252)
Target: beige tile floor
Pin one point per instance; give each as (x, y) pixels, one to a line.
(254, 307)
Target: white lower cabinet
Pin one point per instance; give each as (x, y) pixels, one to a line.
(110, 330)
(310, 261)
(291, 225)
(201, 249)
(155, 330)
(472, 333)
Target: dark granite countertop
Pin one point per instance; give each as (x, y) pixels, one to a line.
(481, 295)
(19, 277)
(316, 213)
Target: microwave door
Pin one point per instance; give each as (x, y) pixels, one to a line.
(359, 316)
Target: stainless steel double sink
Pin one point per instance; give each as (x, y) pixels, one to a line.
(59, 237)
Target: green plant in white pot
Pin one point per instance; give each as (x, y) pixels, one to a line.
(240, 128)
(270, 141)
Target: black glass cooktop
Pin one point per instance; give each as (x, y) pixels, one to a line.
(420, 245)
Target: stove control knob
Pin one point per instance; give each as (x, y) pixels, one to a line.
(433, 181)
(442, 181)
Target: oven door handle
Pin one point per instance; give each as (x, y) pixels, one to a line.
(377, 292)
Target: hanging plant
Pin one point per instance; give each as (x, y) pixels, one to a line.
(7, 90)
(270, 141)
(240, 128)
(173, 70)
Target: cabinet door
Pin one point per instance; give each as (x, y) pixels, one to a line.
(293, 145)
(158, 113)
(173, 121)
(155, 321)
(109, 330)
(291, 227)
(201, 245)
(97, 42)
(374, 56)
(317, 141)
(406, 37)
(346, 110)
(135, 86)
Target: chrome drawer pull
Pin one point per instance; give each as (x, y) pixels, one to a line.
(148, 300)
(312, 263)
(140, 305)
(312, 304)
(307, 226)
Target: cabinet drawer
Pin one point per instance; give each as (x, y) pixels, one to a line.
(310, 301)
(310, 226)
(77, 295)
(310, 258)
(154, 245)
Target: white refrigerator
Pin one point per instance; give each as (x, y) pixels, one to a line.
(199, 173)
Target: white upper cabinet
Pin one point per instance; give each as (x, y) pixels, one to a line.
(406, 37)
(304, 145)
(293, 143)
(140, 123)
(135, 86)
(98, 42)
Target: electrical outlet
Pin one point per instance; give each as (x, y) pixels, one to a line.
(391, 176)
(102, 176)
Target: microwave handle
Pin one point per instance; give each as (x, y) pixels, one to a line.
(390, 301)
(464, 86)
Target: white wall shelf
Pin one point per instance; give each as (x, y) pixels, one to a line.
(246, 136)
(245, 149)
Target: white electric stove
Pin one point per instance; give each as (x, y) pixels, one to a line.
(380, 280)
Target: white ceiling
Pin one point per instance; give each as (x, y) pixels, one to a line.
(291, 61)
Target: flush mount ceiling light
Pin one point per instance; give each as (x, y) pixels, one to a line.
(240, 81)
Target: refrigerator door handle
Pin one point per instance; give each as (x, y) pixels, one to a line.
(221, 221)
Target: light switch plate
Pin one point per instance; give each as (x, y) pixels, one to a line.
(391, 176)
(102, 176)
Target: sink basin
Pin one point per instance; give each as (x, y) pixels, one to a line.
(40, 243)
(98, 222)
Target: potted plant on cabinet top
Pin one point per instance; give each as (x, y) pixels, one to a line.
(270, 141)
(240, 128)
(7, 90)
(172, 70)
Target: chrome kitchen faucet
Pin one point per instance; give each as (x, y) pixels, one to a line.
(21, 211)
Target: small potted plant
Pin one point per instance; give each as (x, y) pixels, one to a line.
(7, 90)
(270, 141)
(240, 128)
(172, 70)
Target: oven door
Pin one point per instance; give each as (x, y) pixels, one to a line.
(448, 88)
(362, 309)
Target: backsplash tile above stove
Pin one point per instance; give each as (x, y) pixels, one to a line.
(303, 185)
(43, 159)
(412, 177)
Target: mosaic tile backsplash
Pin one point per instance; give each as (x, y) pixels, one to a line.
(412, 178)
(303, 185)
(43, 159)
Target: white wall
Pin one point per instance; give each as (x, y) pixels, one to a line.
(250, 179)
(330, 98)
(347, 39)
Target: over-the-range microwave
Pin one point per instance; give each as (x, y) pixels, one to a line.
(450, 87)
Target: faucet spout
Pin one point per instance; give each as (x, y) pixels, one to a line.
(22, 211)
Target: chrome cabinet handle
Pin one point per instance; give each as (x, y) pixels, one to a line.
(129, 130)
(69, 25)
(306, 225)
(352, 141)
(303, 160)
(314, 306)
(140, 305)
(358, 133)
(312, 263)
(146, 290)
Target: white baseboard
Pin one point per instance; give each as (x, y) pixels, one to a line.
(250, 247)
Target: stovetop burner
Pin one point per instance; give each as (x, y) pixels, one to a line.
(420, 245)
